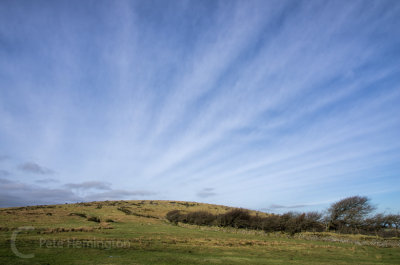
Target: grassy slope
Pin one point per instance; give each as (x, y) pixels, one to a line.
(155, 241)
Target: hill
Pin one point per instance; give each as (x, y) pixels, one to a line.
(136, 232)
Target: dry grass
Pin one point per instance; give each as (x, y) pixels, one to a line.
(156, 241)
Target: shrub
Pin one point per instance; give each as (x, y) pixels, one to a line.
(313, 222)
(125, 210)
(174, 216)
(94, 219)
(345, 216)
(238, 218)
(200, 218)
(78, 214)
(271, 223)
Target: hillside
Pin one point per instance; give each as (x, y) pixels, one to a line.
(136, 232)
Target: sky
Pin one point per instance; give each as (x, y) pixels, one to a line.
(268, 105)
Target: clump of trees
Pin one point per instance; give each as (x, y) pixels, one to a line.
(241, 218)
(350, 215)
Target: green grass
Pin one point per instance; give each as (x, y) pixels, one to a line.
(153, 240)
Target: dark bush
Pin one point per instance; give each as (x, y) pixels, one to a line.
(200, 218)
(271, 223)
(345, 216)
(94, 219)
(78, 214)
(125, 210)
(313, 222)
(382, 225)
(174, 216)
(238, 218)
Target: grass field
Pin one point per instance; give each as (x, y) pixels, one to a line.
(136, 232)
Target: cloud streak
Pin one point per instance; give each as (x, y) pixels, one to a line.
(4, 173)
(278, 206)
(46, 181)
(98, 185)
(4, 157)
(265, 102)
(34, 168)
(206, 192)
(121, 194)
(15, 193)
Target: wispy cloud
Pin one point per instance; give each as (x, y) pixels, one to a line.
(15, 193)
(4, 157)
(121, 194)
(47, 181)
(4, 173)
(261, 100)
(278, 206)
(98, 185)
(206, 192)
(34, 168)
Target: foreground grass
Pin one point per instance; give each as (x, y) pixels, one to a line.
(152, 240)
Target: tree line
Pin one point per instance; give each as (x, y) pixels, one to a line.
(349, 215)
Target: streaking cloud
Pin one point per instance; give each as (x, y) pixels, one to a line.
(243, 103)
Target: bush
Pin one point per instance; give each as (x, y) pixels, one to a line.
(313, 222)
(238, 218)
(345, 216)
(200, 218)
(78, 214)
(125, 210)
(174, 216)
(94, 219)
(271, 223)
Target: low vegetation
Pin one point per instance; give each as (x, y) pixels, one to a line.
(350, 215)
(197, 233)
(94, 219)
(239, 218)
(78, 214)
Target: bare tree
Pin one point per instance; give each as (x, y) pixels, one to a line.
(349, 213)
(393, 220)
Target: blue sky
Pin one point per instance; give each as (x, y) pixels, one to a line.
(272, 105)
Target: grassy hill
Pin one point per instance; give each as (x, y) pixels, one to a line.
(136, 232)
